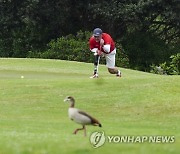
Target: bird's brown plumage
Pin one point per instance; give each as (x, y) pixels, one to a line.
(80, 117)
(94, 121)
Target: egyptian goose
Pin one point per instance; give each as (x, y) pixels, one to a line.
(80, 117)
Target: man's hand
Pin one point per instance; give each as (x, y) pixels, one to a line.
(99, 52)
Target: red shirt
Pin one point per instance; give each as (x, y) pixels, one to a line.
(107, 40)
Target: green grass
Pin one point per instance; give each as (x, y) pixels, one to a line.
(33, 116)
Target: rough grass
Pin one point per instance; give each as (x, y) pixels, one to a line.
(33, 116)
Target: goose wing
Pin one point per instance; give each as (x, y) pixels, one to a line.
(93, 120)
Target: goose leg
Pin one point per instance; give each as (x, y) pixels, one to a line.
(84, 130)
(75, 132)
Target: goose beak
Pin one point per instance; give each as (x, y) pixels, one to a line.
(66, 99)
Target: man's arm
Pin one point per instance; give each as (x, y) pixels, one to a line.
(106, 47)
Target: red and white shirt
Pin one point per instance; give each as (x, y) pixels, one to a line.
(107, 41)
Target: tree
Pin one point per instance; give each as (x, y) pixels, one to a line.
(160, 17)
(29, 25)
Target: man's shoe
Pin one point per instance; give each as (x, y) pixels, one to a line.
(118, 74)
(94, 76)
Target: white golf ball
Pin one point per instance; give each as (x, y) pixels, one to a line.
(22, 77)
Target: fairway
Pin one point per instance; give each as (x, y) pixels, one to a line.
(34, 119)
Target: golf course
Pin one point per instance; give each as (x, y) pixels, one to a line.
(34, 118)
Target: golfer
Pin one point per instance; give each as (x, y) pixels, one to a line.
(101, 44)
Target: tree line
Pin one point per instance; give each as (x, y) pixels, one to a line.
(147, 31)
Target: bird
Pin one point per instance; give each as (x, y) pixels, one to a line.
(80, 116)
